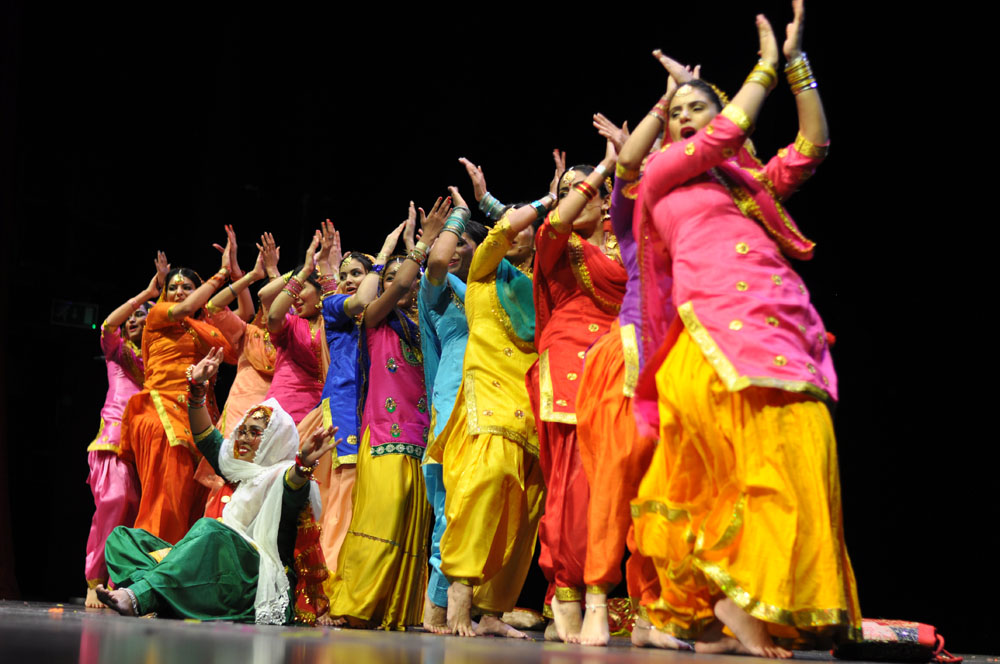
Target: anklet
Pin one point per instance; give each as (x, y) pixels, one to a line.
(596, 606)
(135, 603)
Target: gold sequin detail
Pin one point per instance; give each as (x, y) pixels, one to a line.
(780, 360)
(593, 327)
(709, 130)
(802, 288)
(225, 499)
(826, 381)
(782, 153)
(508, 351)
(727, 152)
(689, 149)
(741, 286)
(571, 376)
(518, 413)
(487, 412)
(736, 325)
(811, 368)
(742, 248)
(552, 236)
(581, 354)
(561, 402)
(776, 279)
(496, 383)
(772, 321)
(802, 328)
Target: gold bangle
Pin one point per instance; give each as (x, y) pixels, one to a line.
(764, 74)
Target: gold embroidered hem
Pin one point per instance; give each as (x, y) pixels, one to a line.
(569, 594)
(93, 583)
(546, 409)
(807, 148)
(738, 117)
(730, 377)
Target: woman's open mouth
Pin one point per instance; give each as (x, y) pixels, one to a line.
(688, 132)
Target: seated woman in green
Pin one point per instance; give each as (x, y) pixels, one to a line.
(239, 566)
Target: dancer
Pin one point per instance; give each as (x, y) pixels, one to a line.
(240, 566)
(113, 482)
(740, 509)
(156, 436)
(301, 362)
(338, 407)
(443, 335)
(613, 453)
(488, 450)
(381, 573)
(578, 288)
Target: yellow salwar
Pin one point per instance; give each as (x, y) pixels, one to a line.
(742, 498)
(494, 499)
(494, 492)
(382, 569)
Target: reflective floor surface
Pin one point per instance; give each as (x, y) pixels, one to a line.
(38, 632)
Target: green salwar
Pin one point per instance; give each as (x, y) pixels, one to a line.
(211, 573)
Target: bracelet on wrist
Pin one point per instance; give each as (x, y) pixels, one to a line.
(764, 74)
(303, 468)
(799, 74)
(585, 189)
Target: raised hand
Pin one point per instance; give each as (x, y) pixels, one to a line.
(560, 159)
(329, 253)
(409, 227)
(319, 443)
(680, 74)
(258, 272)
(432, 223)
(611, 131)
(476, 175)
(269, 253)
(456, 197)
(309, 263)
(768, 43)
(226, 257)
(208, 366)
(162, 268)
(792, 48)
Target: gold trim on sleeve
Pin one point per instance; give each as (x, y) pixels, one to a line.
(807, 148)
(204, 434)
(737, 116)
(502, 316)
(547, 414)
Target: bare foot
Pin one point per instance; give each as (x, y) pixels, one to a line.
(337, 621)
(435, 617)
(459, 615)
(492, 625)
(116, 599)
(566, 616)
(645, 635)
(92, 602)
(550, 632)
(750, 632)
(595, 630)
(325, 620)
(523, 619)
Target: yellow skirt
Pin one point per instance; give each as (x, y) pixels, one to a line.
(494, 499)
(742, 499)
(382, 569)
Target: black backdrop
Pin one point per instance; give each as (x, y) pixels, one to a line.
(127, 132)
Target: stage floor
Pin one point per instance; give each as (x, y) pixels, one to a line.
(39, 632)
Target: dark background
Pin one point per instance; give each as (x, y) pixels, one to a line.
(124, 132)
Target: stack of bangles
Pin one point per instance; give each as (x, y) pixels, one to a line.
(221, 275)
(328, 284)
(419, 252)
(585, 189)
(456, 222)
(491, 207)
(293, 287)
(542, 205)
(197, 391)
(659, 111)
(800, 75)
(763, 74)
(303, 469)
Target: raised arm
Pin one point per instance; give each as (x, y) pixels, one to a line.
(121, 314)
(447, 241)
(198, 376)
(284, 300)
(271, 252)
(812, 118)
(199, 298)
(239, 288)
(573, 202)
(431, 224)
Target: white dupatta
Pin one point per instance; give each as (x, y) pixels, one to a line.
(255, 508)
